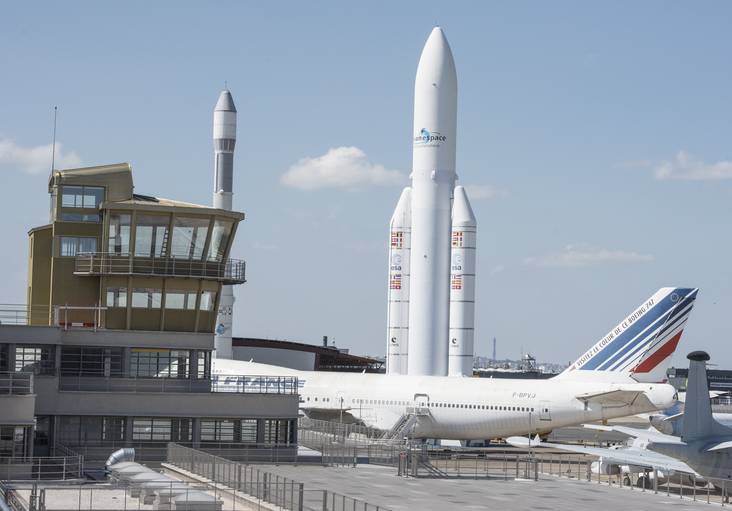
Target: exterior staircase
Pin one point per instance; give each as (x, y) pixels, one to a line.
(405, 424)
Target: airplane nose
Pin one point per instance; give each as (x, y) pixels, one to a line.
(662, 396)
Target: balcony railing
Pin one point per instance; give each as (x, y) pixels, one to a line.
(237, 384)
(17, 384)
(64, 316)
(229, 271)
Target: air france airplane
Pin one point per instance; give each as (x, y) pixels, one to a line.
(620, 375)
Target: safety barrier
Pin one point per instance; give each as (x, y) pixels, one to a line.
(252, 484)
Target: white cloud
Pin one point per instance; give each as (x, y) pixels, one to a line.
(685, 167)
(499, 268)
(582, 254)
(480, 192)
(35, 159)
(345, 167)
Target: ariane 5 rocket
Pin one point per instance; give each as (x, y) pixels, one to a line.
(436, 289)
(224, 138)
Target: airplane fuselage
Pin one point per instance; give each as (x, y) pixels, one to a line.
(462, 408)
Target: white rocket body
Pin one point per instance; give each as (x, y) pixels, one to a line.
(224, 137)
(433, 179)
(462, 286)
(400, 233)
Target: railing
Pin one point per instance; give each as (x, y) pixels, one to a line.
(355, 432)
(15, 314)
(229, 271)
(236, 384)
(37, 468)
(16, 384)
(152, 453)
(64, 316)
(73, 316)
(260, 485)
(243, 384)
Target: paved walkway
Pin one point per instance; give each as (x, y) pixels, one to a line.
(379, 485)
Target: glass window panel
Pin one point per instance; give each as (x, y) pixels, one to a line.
(156, 298)
(151, 235)
(207, 300)
(68, 246)
(71, 196)
(34, 359)
(80, 217)
(82, 197)
(175, 300)
(219, 239)
(143, 298)
(249, 430)
(92, 197)
(189, 237)
(191, 300)
(116, 297)
(87, 245)
(119, 234)
(140, 298)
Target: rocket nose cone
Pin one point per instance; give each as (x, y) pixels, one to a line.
(225, 102)
(462, 212)
(436, 60)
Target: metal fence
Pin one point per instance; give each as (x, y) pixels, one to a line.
(342, 444)
(670, 483)
(229, 271)
(240, 384)
(65, 316)
(14, 383)
(65, 467)
(256, 485)
(354, 432)
(152, 454)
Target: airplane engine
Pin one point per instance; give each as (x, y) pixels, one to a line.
(604, 468)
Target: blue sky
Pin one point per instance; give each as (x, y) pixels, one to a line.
(594, 139)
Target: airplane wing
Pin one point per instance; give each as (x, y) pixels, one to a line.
(612, 397)
(621, 456)
(647, 434)
(719, 446)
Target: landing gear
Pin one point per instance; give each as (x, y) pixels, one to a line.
(627, 481)
(644, 482)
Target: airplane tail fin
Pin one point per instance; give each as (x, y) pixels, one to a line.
(698, 420)
(638, 345)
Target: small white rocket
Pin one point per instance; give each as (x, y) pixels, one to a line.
(427, 298)
(462, 286)
(400, 233)
(224, 137)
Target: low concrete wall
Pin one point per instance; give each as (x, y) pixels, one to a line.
(51, 401)
(17, 410)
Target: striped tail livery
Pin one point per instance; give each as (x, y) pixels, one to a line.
(638, 345)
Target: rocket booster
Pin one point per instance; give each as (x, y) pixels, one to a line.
(400, 231)
(462, 286)
(224, 137)
(433, 179)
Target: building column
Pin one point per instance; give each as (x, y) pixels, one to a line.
(260, 430)
(193, 361)
(126, 356)
(29, 440)
(57, 361)
(11, 357)
(128, 431)
(196, 437)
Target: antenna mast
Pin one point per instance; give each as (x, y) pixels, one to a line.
(53, 146)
